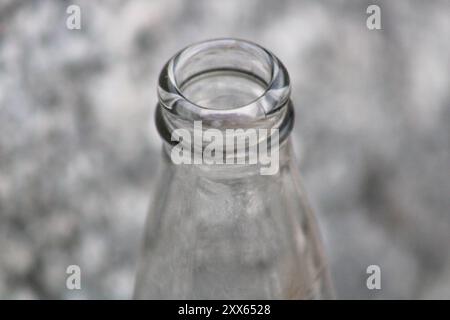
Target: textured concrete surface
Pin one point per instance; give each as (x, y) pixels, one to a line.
(79, 152)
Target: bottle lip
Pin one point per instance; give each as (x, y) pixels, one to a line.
(274, 97)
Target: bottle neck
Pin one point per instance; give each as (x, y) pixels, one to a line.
(270, 166)
(224, 103)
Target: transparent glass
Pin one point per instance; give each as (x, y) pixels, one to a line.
(225, 231)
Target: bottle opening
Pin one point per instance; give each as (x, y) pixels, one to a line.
(223, 74)
(224, 84)
(222, 89)
(225, 80)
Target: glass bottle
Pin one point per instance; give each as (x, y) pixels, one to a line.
(231, 230)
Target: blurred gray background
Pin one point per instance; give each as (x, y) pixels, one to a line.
(79, 151)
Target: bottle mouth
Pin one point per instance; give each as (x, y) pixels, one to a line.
(225, 83)
(226, 80)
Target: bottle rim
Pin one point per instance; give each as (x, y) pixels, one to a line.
(275, 95)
